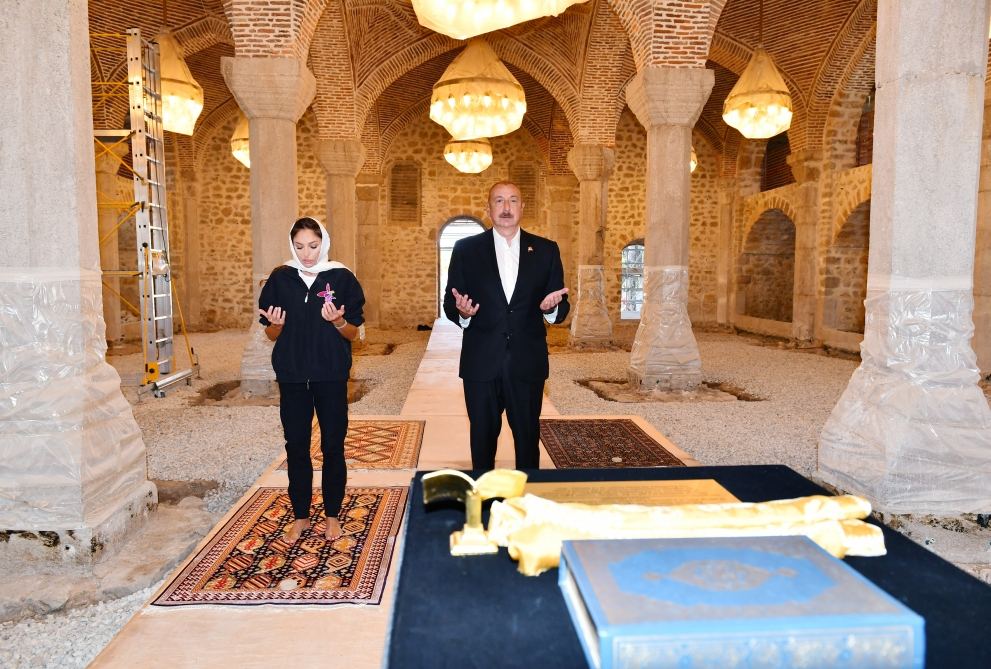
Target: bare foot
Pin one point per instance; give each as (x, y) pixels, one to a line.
(299, 526)
(333, 529)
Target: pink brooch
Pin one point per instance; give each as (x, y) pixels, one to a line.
(327, 295)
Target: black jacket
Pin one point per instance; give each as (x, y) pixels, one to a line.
(309, 348)
(499, 330)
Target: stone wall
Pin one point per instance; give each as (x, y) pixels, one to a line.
(846, 273)
(626, 211)
(409, 249)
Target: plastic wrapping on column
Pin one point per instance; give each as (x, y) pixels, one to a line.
(590, 321)
(665, 353)
(912, 431)
(70, 450)
(256, 364)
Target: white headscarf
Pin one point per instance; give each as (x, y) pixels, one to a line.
(323, 265)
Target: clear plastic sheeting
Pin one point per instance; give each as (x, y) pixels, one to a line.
(665, 355)
(912, 431)
(590, 318)
(256, 364)
(71, 453)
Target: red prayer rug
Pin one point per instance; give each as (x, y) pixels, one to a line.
(374, 444)
(581, 443)
(248, 561)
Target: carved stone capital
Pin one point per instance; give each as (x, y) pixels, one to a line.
(279, 88)
(340, 157)
(806, 165)
(367, 186)
(591, 162)
(668, 95)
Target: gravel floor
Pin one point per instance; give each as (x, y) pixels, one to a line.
(799, 390)
(233, 444)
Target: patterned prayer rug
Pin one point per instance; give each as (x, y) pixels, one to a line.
(602, 442)
(248, 561)
(374, 444)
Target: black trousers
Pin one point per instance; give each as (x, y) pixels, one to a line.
(521, 400)
(297, 403)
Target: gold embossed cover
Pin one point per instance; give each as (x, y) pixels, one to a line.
(755, 602)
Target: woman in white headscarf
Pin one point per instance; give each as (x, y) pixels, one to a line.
(311, 308)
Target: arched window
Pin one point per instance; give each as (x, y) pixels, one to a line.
(631, 280)
(453, 230)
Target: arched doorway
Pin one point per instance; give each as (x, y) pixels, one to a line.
(455, 229)
(766, 268)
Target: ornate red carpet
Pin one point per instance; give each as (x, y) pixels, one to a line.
(602, 442)
(248, 561)
(375, 444)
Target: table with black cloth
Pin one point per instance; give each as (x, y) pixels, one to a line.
(480, 612)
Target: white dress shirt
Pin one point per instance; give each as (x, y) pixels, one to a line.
(508, 261)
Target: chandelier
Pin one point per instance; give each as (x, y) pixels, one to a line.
(470, 156)
(477, 96)
(759, 106)
(462, 19)
(693, 162)
(182, 97)
(239, 142)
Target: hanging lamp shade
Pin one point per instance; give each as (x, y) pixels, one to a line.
(239, 142)
(462, 19)
(470, 156)
(759, 106)
(477, 96)
(694, 161)
(182, 97)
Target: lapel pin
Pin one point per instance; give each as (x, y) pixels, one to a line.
(529, 249)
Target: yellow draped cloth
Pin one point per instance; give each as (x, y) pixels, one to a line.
(532, 528)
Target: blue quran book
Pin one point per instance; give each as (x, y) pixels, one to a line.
(730, 603)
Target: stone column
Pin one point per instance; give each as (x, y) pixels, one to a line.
(72, 461)
(341, 159)
(273, 93)
(806, 167)
(667, 101)
(590, 322)
(108, 189)
(912, 431)
(367, 190)
(982, 266)
(561, 195)
(724, 252)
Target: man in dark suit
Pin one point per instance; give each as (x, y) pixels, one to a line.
(502, 286)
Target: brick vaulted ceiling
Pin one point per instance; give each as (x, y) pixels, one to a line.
(572, 66)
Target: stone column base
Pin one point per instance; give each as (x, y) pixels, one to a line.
(687, 380)
(257, 375)
(81, 546)
(665, 355)
(912, 431)
(590, 322)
